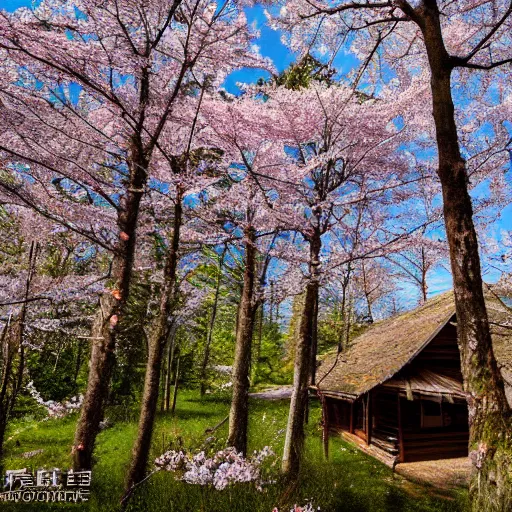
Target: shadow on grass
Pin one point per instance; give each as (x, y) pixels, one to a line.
(188, 414)
(210, 399)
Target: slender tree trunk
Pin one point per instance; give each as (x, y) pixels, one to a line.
(239, 413)
(316, 245)
(489, 413)
(78, 363)
(170, 359)
(59, 349)
(424, 285)
(7, 357)
(367, 293)
(261, 317)
(105, 327)
(345, 312)
(304, 359)
(314, 350)
(341, 333)
(163, 375)
(314, 340)
(159, 336)
(176, 380)
(211, 325)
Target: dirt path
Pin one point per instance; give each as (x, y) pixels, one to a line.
(278, 393)
(445, 474)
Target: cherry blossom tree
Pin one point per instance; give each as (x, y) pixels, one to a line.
(12, 362)
(243, 129)
(424, 253)
(342, 158)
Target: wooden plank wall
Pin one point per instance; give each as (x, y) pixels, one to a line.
(441, 354)
(338, 413)
(434, 443)
(384, 422)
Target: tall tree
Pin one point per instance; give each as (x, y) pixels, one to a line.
(245, 212)
(346, 159)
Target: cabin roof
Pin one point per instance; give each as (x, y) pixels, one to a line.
(387, 346)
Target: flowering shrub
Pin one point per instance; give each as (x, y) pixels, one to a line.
(225, 467)
(55, 409)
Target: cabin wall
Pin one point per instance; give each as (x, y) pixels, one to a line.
(441, 355)
(444, 433)
(432, 430)
(338, 413)
(385, 420)
(413, 430)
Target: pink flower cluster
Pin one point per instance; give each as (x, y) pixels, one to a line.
(224, 468)
(55, 409)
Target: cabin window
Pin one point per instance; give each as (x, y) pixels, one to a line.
(431, 414)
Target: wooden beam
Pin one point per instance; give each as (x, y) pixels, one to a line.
(401, 454)
(352, 418)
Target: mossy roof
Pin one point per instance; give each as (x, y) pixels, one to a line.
(387, 346)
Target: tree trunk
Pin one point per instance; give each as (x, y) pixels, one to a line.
(239, 413)
(304, 359)
(170, 359)
(211, 325)
(294, 441)
(261, 318)
(345, 311)
(489, 413)
(424, 285)
(7, 357)
(159, 336)
(176, 380)
(105, 327)
(314, 340)
(367, 293)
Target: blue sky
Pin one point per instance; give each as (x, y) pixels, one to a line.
(10, 5)
(270, 45)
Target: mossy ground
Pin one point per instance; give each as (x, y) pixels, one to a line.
(349, 482)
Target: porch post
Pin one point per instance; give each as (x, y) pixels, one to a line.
(351, 417)
(369, 418)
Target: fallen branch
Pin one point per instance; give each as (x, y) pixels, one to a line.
(129, 492)
(213, 429)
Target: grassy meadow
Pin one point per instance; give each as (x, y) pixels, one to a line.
(349, 482)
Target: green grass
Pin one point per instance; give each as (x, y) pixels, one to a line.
(349, 482)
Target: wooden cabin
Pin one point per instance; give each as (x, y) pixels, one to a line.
(398, 387)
